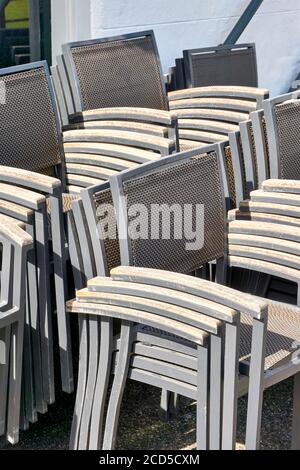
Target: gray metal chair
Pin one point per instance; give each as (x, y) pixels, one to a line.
(282, 123)
(25, 207)
(209, 114)
(90, 158)
(242, 254)
(129, 65)
(98, 258)
(15, 246)
(101, 79)
(222, 65)
(249, 146)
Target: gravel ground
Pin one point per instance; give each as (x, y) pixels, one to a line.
(141, 426)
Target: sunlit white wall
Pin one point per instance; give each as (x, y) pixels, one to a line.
(183, 24)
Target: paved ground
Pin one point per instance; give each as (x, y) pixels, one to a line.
(142, 428)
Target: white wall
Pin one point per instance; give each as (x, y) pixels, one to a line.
(183, 24)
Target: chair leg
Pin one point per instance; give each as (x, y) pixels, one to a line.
(13, 415)
(93, 326)
(28, 382)
(4, 367)
(60, 280)
(230, 385)
(81, 383)
(33, 275)
(104, 370)
(202, 399)
(118, 387)
(296, 414)
(46, 335)
(256, 390)
(215, 393)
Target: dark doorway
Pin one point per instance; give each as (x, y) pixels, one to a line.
(25, 31)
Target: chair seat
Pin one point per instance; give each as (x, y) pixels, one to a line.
(283, 337)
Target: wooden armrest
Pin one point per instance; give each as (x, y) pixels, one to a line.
(128, 126)
(219, 103)
(170, 311)
(169, 296)
(117, 164)
(211, 113)
(251, 93)
(282, 258)
(6, 219)
(209, 137)
(207, 125)
(15, 211)
(161, 145)
(82, 181)
(16, 235)
(265, 267)
(284, 232)
(90, 170)
(267, 243)
(282, 186)
(270, 208)
(127, 113)
(215, 292)
(112, 150)
(30, 179)
(22, 196)
(189, 333)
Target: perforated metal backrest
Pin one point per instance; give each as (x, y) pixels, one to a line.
(186, 182)
(104, 221)
(288, 135)
(30, 133)
(230, 175)
(117, 71)
(223, 65)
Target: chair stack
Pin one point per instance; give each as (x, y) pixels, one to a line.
(262, 336)
(78, 151)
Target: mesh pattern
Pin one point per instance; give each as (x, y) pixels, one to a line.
(112, 247)
(288, 125)
(224, 68)
(193, 182)
(283, 337)
(120, 73)
(230, 175)
(253, 149)
(265, 134)
(29, 136)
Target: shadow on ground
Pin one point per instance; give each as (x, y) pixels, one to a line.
(141, 426)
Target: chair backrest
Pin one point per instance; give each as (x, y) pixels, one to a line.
(172, 197)
(116, 71)
(282, 118)
(94, 218)
(30, 129)
(222, 65)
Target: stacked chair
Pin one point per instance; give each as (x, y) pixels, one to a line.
(97, 80)
(261, 337)
(42, 172)
(79, 150)
(16, 245)
(229, 65)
